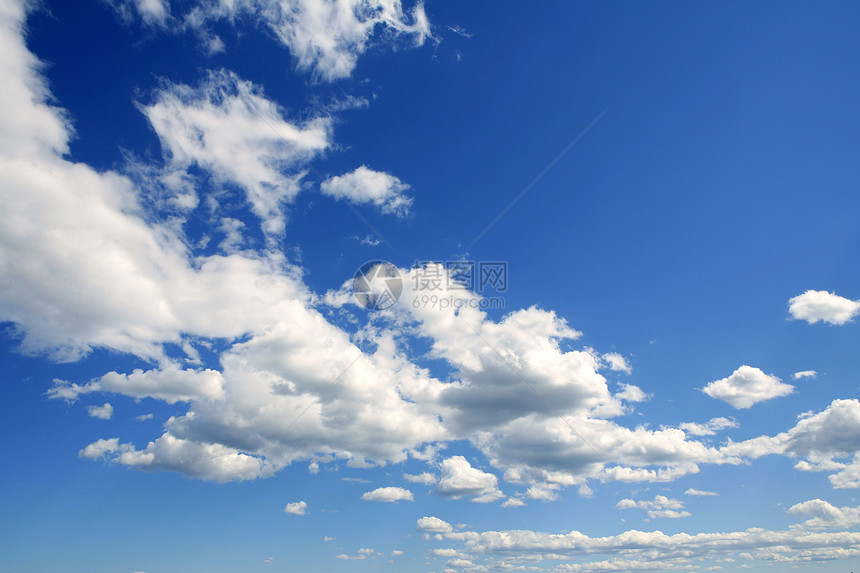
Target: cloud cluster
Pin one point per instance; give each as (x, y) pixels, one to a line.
(826, 441)
(660, 507)
(292, 385)
(324, 38)
(151, 12)
(640, 550)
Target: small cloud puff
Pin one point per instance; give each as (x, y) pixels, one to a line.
(297, 508)
(661, 507)
(104, 412)
(805, 374)
(364, 185)
(433, 525)
(700, 493)
(388, 494)
(617, 362)
(746, 387)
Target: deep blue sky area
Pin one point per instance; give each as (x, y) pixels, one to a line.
(188, 383)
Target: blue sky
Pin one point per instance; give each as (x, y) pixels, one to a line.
(665, 381)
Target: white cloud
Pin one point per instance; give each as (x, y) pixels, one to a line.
(433, 525)
(70, 290)
(459, 478)
(170, 384)
(206, 461)
(709, 428)
(805, 374)
(700, 493)
(639, 550)
(826, 441)
(297, 508)
(818, 305)
(229, 128)
(151, 12)
(388, 494)
(102, 447)
(513, 502)
(660, 507)
(823, 515)
(425, 478)
(144, 417)
(107, 276)
(323, 37)
(364, 185)
(396, 553)
(291, 385)
(746, 387)
(617, 362)
(104, 412)
(631, 393)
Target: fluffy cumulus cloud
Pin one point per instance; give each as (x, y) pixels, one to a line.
(364, 185)
(746, 387)
(459, 479)
(291, 385)
(171, 384)
(541, 415)
(324, 37)
(388, 494)
(104, 412)
(69, 291)
(433, 525)
(818, 305)
(296, 508)
(823, 515)
(827, 441)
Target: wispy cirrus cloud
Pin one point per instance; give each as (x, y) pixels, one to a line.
(324, 38)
